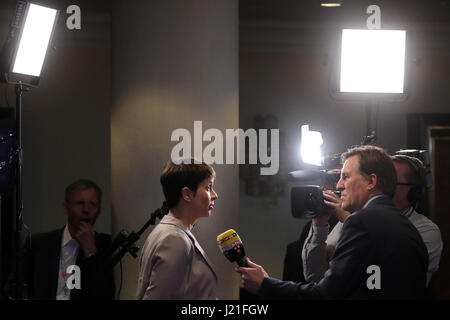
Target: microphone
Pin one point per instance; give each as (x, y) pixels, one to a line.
(231, 246)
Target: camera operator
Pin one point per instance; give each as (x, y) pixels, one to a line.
(374, 235)
(320, 246)
(409, 191)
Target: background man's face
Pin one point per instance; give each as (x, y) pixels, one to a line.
(83, 206)
(353, 186)
(400, 198)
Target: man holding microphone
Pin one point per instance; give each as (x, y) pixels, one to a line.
(374, 237)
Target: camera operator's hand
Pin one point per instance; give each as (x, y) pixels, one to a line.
(334, 202)
(321, 221)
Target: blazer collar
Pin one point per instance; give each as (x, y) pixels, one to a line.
(375, 198)
(169, 219)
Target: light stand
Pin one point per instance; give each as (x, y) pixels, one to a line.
(370, 132)
(22, 59)
(372, 67)
(124, 242)
(20, 292)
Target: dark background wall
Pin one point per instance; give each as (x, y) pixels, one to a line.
(174, 62)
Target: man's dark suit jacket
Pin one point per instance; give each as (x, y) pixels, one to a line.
(376, 235)
(97, 280)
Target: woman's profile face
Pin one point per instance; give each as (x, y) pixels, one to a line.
(204, 198)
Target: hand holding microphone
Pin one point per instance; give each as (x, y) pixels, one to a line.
(252, 275)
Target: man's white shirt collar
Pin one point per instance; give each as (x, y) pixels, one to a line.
(67, 237)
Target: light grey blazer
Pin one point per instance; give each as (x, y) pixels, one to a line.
(173, 265)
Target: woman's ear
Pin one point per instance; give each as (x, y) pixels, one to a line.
(187, 194)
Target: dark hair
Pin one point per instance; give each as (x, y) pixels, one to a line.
(375, 160)
(175, 177)
(83, 184)
(416, 174)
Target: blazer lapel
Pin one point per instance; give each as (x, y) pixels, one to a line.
(200, 249)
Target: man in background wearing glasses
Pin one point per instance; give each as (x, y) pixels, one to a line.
(53, 254)
(408, 193)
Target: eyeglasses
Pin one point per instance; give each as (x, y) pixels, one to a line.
(405, 184)
(81, 204)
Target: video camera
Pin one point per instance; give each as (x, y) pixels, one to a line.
(307, 200)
